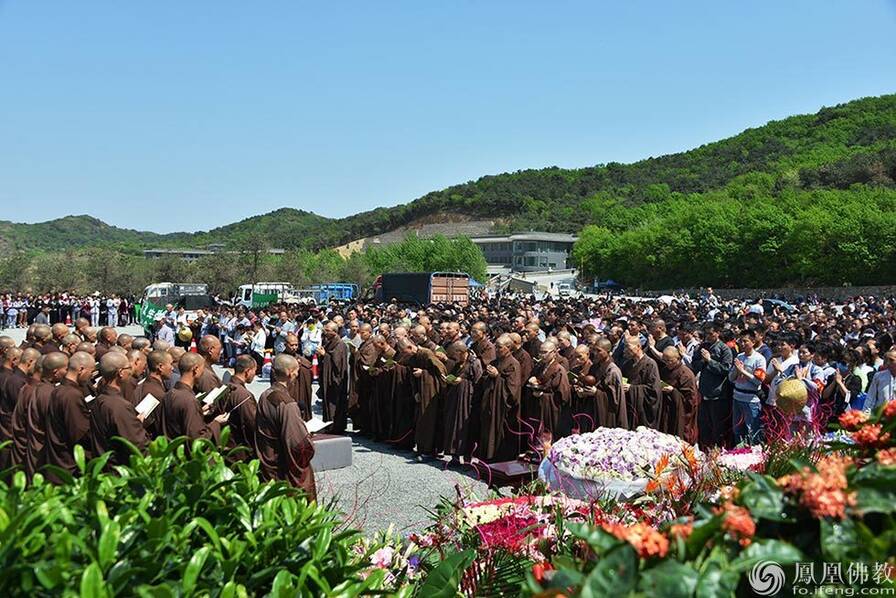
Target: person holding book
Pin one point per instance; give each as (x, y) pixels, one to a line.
(68, 417)
(112, 416)
(181, 412)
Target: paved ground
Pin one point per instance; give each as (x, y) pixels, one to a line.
(383, 487)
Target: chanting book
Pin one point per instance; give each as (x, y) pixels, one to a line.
(210, 397)
(147, 405)
(316, 425)
(89, 398)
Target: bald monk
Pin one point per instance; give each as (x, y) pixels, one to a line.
(141, 343)
(182, 414)
(81, 326)
(53, 367)
(282, 442)
(42, 339)
(112, 416)
(421, 338)
(499, 405)
(69, 344)
(361, 397)
(9, 368)
(428, 379)
(24, 392)
(522, 356)
(210, 350)
(482, 348)
(137, 361)
(87, 348)
(531, 342)
(68, 418)
(643, 392)
(681, 399)
(579, 368)
(241, 405)
(606, 397)
(159, 365)
(393, 404)
(332, 357)
(466, 371)
(58, 331)
(547, 403)
(300, 388)
(125, 341)
(106, 339)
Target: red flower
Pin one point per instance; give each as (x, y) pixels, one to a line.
(890, 409)
(539, 569)
(739, 524)
(853, 419)
(822, 492)
(887, 457)
(870, 435)
(644, 539)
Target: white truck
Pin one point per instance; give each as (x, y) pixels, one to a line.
(261, 294)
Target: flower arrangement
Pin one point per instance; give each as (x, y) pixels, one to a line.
(749, 458)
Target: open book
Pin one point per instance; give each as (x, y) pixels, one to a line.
(316, 425)
(147, 405)
(210, 397)
(89, 398)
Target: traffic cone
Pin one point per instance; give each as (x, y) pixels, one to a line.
(193, 347)
(267, 366)
(314, 367)
(68, 319)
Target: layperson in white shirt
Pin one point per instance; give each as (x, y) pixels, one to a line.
(883, 386)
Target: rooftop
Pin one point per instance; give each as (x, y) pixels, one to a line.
(528, 236)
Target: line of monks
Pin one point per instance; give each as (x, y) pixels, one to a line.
(496, 400)
(57, 392)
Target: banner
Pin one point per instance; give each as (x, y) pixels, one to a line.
(263, 299)
(147, 312)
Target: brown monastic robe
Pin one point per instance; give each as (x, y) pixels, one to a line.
(152, 385)
(282, 442)
(680, 406)
(526, 365)
(360, 400)
(181, 415)
(544, 407)
(532, 347)
(428, 397)
(37, 426)
(112, 415)
(129, 390)
(608, 408)
(499, 412)
(485, 351)
(19, 453)
(333, 380)
(242, 407)
(645, 394)
(302, 385)
(581, 405)
(394, 407)
(68, 424)
(458, 404)
(207, 381)
(12, 382)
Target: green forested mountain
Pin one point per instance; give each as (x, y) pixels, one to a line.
(841, 156)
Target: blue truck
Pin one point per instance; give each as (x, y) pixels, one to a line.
(345, 291)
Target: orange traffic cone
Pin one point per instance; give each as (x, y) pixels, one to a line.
(68, 319)
(193, 347)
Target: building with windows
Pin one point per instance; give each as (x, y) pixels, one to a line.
(191, 255)
(527, 252)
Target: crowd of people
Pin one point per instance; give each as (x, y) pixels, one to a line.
(19, 310)
(491, 381)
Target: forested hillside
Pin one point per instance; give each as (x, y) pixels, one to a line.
(780, 203)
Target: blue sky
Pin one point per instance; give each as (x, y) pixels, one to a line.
(173, 116)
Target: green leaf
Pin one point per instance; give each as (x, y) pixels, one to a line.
(766, 550)
(669, 578)
(763, 498)
(108, 544)
(717, 581)
(444, 580)
(194, 568)
(600, 540)
(80, 458)
(614, 575)
(92, 584)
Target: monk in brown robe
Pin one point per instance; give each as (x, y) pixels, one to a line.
(393, 402)
(464, 372)
(53, 367)
(482, 348)
(210, 349)
(608, 406)
(333, 379)
(499, 405)
(138, 371)
(565, 350)
(241, 405)
(68, 418)
(681, 399)
(113, 416)
(181, 413)
(282, 442)
(428, 379)
(522, 356)
(69, 344)
(643, 392)
(421, 338)
(29, 363)
(300, 388)
(106, 339)
(362, 384)
(583, 419)
(532, 344)
(22, 364)
(547, 403)
(159, 365)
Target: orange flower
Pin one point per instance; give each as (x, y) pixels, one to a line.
(890, 409)
(870, 435)
(681, 530)
(738, 523)
(661, 464)
(887, 457)
(646, 541)
(652, 486)
(688, 452)
(853, 419)
(823, 492)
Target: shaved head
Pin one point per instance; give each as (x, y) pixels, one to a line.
(86, 347)
(12, 355)
(28, 360)
(59, 330)
(112, 363)
(188, 361)
(283, 366)
(53, 366)
(81, 360)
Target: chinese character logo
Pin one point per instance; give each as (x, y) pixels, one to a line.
(766, 578)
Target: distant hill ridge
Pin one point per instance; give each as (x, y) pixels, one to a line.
(836, 147)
